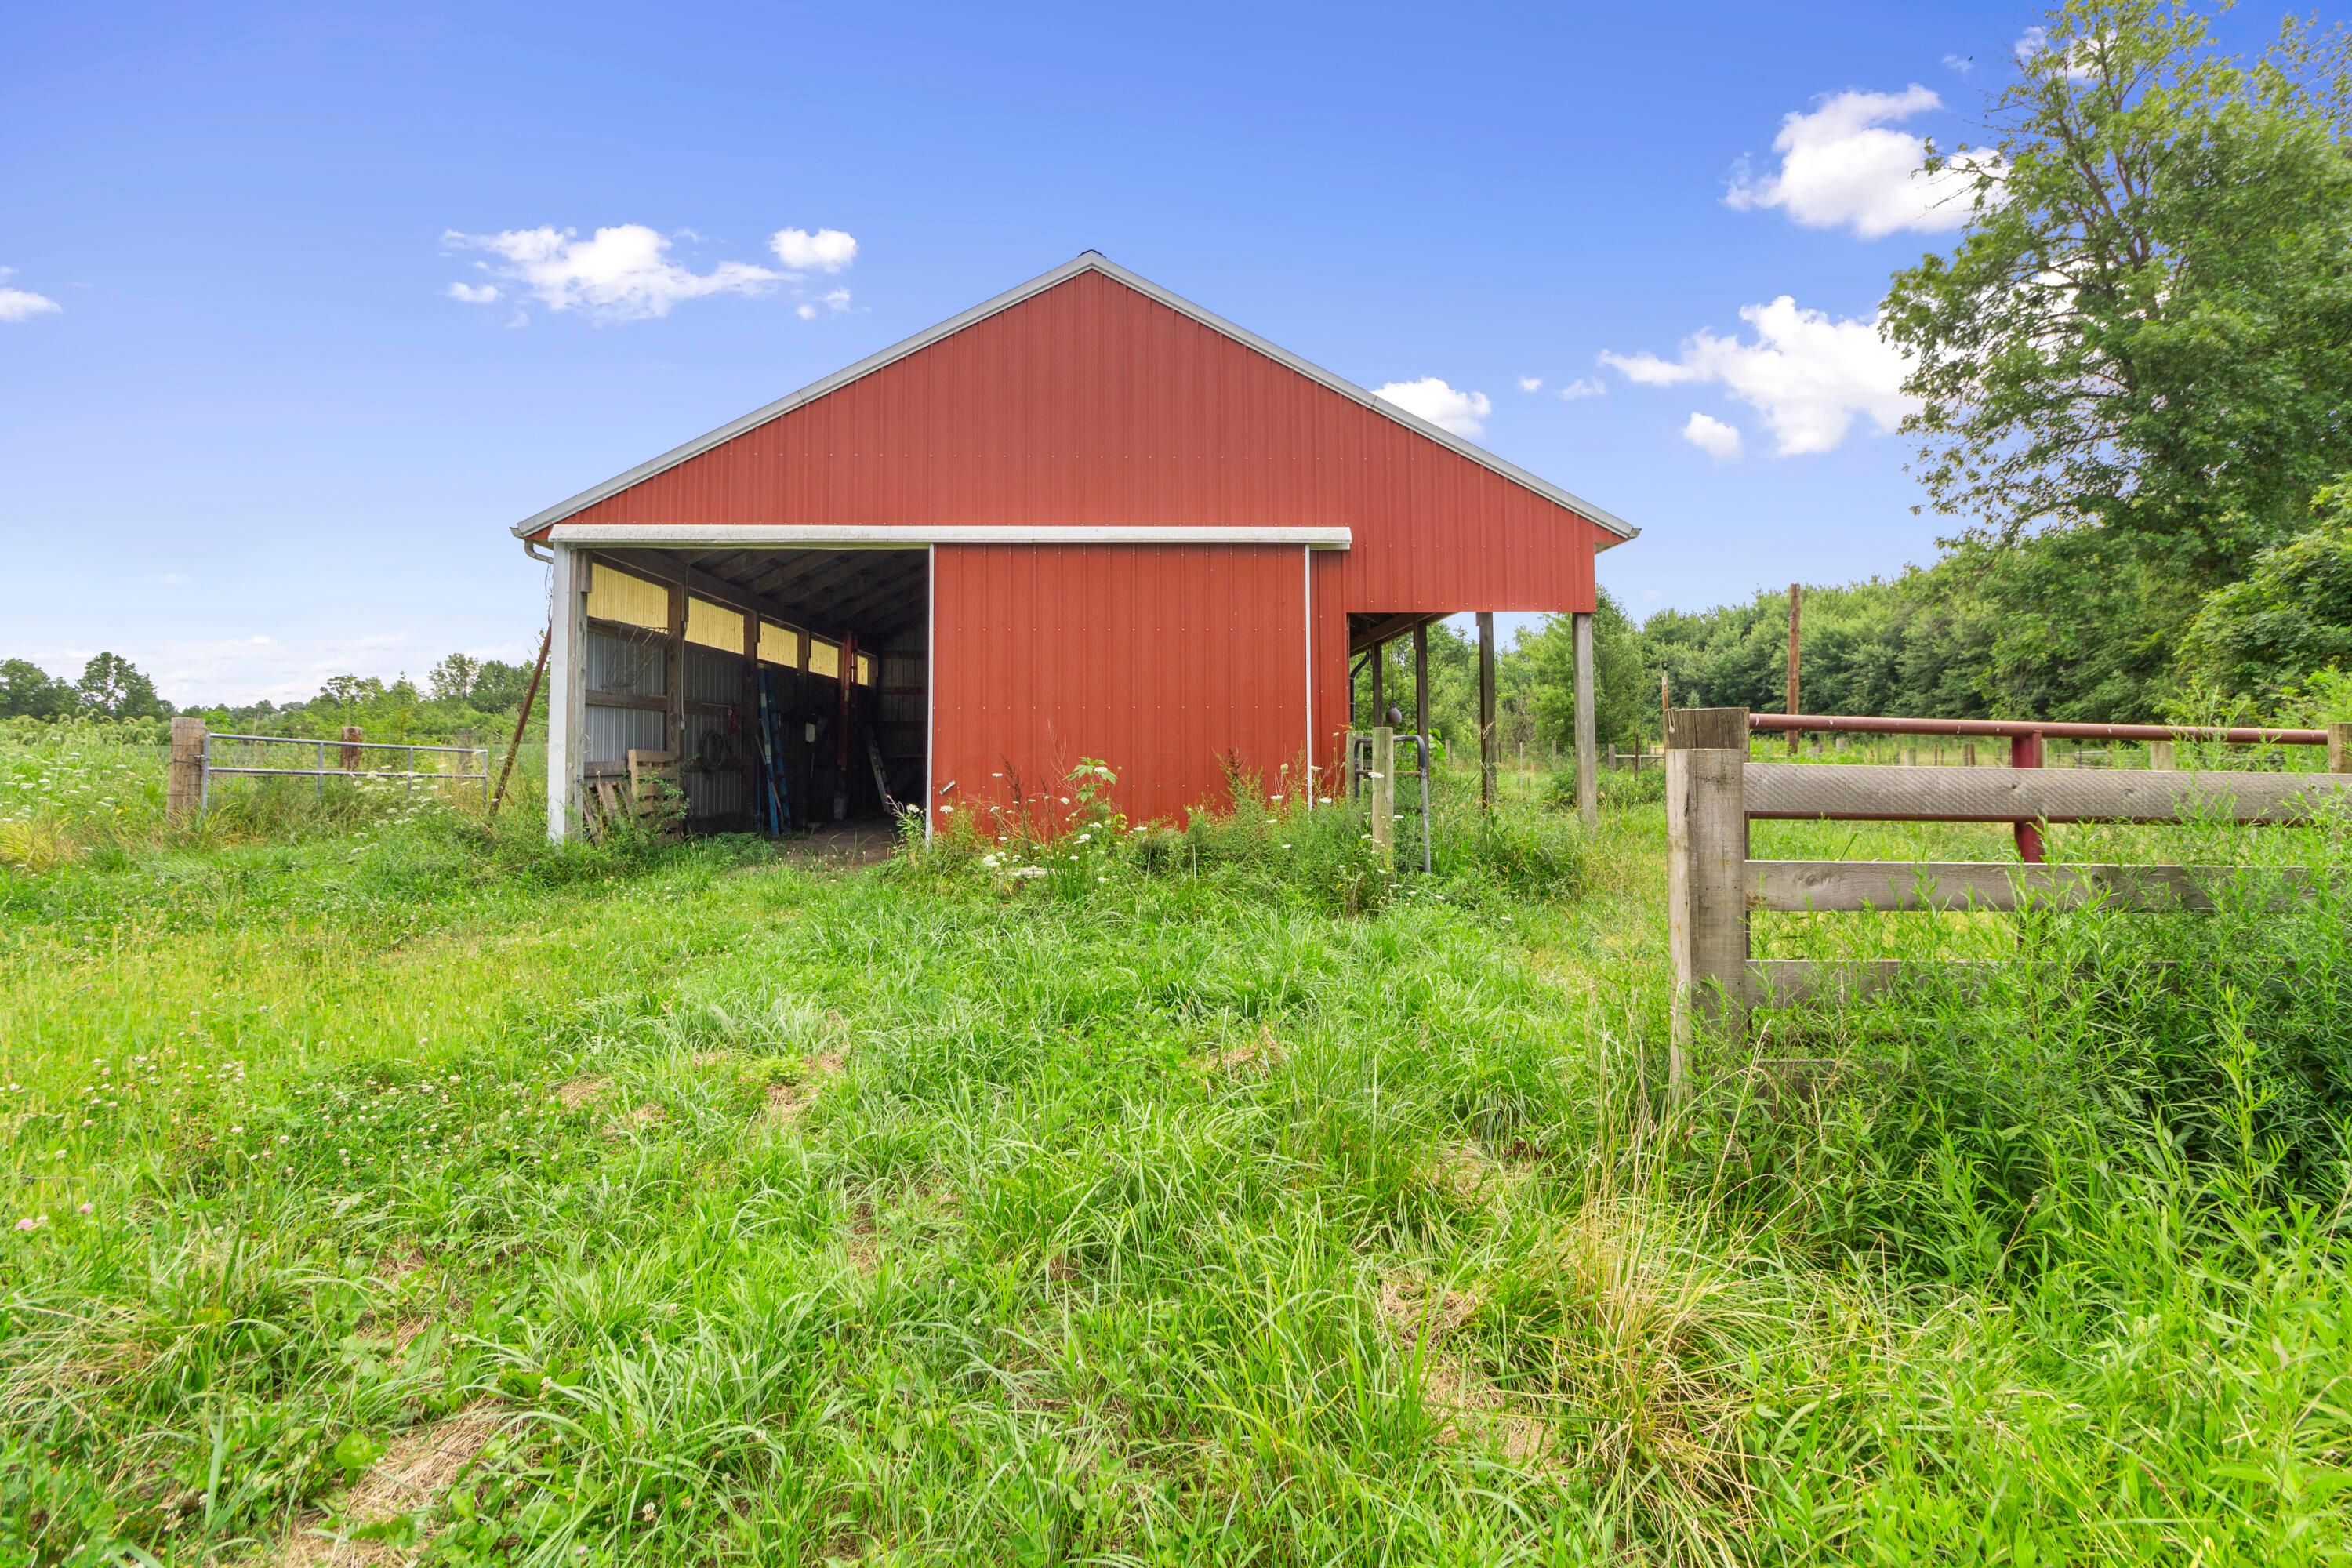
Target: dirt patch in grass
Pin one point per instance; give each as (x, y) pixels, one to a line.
(637, 1120)
(415, 1471)
(864, 1247)
(1474, 1177)
(581, 1091)
(1423, 1316)
(1260, 1055)
(787, 1101)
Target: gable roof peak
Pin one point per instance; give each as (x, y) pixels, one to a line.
(1087, 260)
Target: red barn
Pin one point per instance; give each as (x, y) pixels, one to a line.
(1084, 519)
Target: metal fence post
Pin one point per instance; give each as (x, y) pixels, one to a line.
(2025, 751)
(1706, 868)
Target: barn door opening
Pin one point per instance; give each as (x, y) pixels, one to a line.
(790, 687)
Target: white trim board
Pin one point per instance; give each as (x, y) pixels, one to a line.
(751, 535)
(1091, 261)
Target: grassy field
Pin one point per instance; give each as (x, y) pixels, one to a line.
(398, 1188)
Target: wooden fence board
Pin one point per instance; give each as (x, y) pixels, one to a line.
(1802, 790)
(1846, 886)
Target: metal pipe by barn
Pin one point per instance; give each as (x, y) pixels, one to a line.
(1149, 536)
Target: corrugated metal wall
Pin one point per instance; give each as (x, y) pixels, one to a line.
(715, 677)
(1160, 659)
(615, 732)
(1092, 404)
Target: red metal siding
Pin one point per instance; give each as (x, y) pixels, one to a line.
(1162, 660)
(1092, 404)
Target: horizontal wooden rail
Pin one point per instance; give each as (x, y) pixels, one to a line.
(1825, 887)
(1713, 886)
(1791, 982)
(1789, 791)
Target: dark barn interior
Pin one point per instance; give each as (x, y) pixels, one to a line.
(788, 687)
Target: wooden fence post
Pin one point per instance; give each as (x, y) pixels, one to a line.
(1489, 742)
(1380, 798)
(2159, 756)
(184, 779)
(1588, 744)
(2339, 748)
(1706, 868)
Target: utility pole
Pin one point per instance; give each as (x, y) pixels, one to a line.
(1796, 605)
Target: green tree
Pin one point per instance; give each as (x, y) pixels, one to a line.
(114, 687)
(28, 691)
(452, 680)
(2289, 618)
(2143, 330)
(2144, 325)
(1624, 679)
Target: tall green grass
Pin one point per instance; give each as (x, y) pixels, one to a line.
(1218, 1196)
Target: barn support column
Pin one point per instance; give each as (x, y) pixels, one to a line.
(1421, 689)
(1588, 750)
(567, 689)
(1489, 742)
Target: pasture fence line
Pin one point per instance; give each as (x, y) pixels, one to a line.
(193, 763)
(1714, 790)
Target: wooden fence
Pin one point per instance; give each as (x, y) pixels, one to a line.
(1714, 792)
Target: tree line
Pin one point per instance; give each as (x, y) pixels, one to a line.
(460, 694)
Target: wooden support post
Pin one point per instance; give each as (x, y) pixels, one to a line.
(1909, 756)
(1796, 603)
(567, 691)
(1421, 688)
(747, 728)
(674, 674)
(1588, 775)
(1967, 753)
(804, 790)
(350, 754)
(2339, 748)
(183, 780)
(2159, 756)
(846, 672)
(1489, 740)
(1380, 794)
(1707, 866)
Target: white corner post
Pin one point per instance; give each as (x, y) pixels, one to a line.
(567, 689)
(1588, 759)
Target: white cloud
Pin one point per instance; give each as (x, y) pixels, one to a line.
(2081, 55)
(1807, 375)
(837, 301)
(22, 304)
(1583, 386)
(474, 293)
(827, 251)
(1960, 63)
(1841, 166)
(1713, 437)
(623, 274)
(1530, 383)
(1463, 413)
(806, 312)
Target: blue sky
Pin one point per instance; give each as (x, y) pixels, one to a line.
(248, 436)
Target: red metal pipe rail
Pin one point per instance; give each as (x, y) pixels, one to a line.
(2048, 728)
